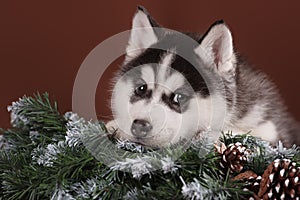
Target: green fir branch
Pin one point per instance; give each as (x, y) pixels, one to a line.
(37, 114)
(49, 156)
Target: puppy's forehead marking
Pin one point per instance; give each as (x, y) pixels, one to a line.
(164, 67)
(148, 75)
(168, 78)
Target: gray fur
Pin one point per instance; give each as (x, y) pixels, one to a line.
(255, 87)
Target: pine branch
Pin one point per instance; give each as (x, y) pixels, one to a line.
(49, 156)
(37, 114)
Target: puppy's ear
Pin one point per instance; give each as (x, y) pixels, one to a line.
(216, 48)
(142, 34)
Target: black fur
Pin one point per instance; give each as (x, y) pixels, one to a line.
(154, 54)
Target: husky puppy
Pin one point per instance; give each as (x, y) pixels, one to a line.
(166, 88)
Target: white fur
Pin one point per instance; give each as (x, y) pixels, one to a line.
(142, 36)
(253, 123)
(120, 104)
(205, 112)
(191, 120)
(164, 67)
(216, 49)
(252, 119)
(266, 131)
(168, 126)
(148, 76)
(175, 81)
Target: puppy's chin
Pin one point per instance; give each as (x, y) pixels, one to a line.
(153, 142)
(148, 142)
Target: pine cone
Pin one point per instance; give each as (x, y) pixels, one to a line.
(252, 181)
(281, 180)
(234, 157)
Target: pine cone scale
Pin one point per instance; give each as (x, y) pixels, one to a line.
(280, 181)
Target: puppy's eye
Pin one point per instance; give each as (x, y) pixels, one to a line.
(178, 98)
(141, 90)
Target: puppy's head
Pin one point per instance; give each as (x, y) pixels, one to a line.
(164, 90)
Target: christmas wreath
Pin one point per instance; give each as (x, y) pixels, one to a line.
(44, 156)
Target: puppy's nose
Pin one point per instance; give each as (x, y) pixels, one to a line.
(140, 128)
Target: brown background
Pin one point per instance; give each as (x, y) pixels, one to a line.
(43, 43)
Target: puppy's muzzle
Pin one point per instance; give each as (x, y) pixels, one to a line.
(140, 128)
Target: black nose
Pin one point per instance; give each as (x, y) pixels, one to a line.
(140, 128)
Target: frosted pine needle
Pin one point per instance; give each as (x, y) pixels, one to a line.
(61, 194)
(282, 152)
(131, 194)
(137, 166)
(168, 165)
(125, 144)
(33, 135)
(46, 156)
(88, 188)
(3, 142)
(74, 129)
(192, 190)
(15, 115)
